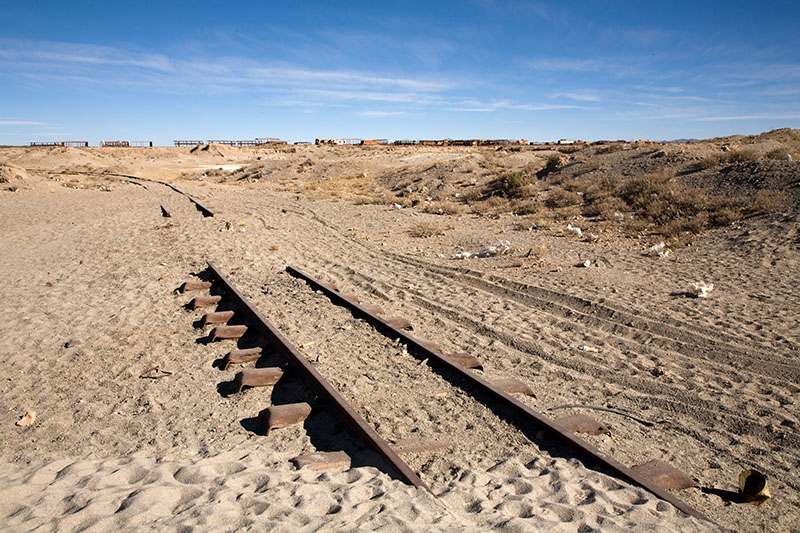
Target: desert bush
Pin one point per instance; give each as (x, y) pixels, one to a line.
(553, 163)
(743, 155)
(693, 225)
(712, 161)
(605, 208)
(445, 208)
(767, 201)
(526, 207)
(511, 181)
(611, 149)
(724, 216)
(561, 198)
(426, 229)
(777, 153)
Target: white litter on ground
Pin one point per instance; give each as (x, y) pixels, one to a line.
(573, 229)
(489, 251)
(700, 289)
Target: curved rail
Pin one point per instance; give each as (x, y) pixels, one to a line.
(346, 413)
(521, 409)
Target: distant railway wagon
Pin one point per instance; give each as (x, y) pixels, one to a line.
(74, 144)
(188, 143)
(371, 142)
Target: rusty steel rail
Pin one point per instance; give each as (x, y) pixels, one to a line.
(200, 207)
(298, 361)
(528, 413)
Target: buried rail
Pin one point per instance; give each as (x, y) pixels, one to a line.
(347, 414)
(528, 413)
(200, 207)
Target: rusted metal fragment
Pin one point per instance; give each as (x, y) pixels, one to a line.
(165, 213)
(280, 416)
(257, 377)
(464, 359)
(195, 286)
(398, 322)
(753, 487)
(580, 423)
(420, 445)
(374, 309)
(227, 332)
(204, 301)
(240, 357)
(665, 475)
(513, 386)
(218, 317)
(322, 461)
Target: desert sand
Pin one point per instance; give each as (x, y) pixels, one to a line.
(90, 266)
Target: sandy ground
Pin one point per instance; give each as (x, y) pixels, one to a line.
(90, 270)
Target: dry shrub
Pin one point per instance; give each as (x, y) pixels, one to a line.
(692, 225)
(724, 216)
(611, 149)
(605, 207)
(526, 207)
(743, 155)
(445, 208)
(553, 163)
(561, 198)
(777, 153)
(767, 201)
(426, 229)
(511, 181)
(709, 162)
(491, 206)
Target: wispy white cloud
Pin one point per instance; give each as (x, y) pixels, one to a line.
(475, 106)
(382, 114)
(788, 116)
(21, 123)
(568, 65)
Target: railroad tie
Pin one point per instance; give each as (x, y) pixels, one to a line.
(398, 322)
(217, 317)
(464, 359)
(322, 461)
(580, 423)
(227, 332)
(204, 301)
(665, 475)
(513, 386)
(257, 377)
(195, 286)
(240, 357)
(281, 416)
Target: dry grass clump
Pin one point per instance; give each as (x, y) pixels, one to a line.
(426, 229)
(610, 149)
(741, 155)
(553, 163)
(777, 153)
(445, 208)
(767, 201)
(562, 198)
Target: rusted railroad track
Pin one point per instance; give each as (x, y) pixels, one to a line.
(281, 415)
(200, 207)
(498, 393)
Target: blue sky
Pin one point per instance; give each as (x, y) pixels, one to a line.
(398, 70)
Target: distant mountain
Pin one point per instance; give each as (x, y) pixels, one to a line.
(681, 141)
